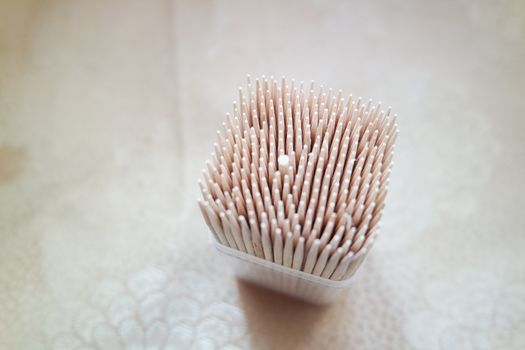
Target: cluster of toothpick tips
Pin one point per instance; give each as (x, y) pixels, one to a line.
(299, 176)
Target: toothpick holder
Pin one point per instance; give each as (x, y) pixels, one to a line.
(295, 283)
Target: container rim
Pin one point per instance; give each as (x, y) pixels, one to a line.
(280, 268)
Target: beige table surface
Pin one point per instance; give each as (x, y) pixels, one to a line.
(108, 110)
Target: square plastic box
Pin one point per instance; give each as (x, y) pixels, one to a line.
(295, 283)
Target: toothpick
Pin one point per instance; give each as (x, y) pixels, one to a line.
(299, 176)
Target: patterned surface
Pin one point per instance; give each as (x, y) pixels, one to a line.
(108, 110)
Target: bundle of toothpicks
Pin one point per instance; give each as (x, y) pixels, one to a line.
(299, 176)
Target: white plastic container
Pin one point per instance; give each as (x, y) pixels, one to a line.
(298, 284)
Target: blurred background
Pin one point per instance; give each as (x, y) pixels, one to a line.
(108, 110)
